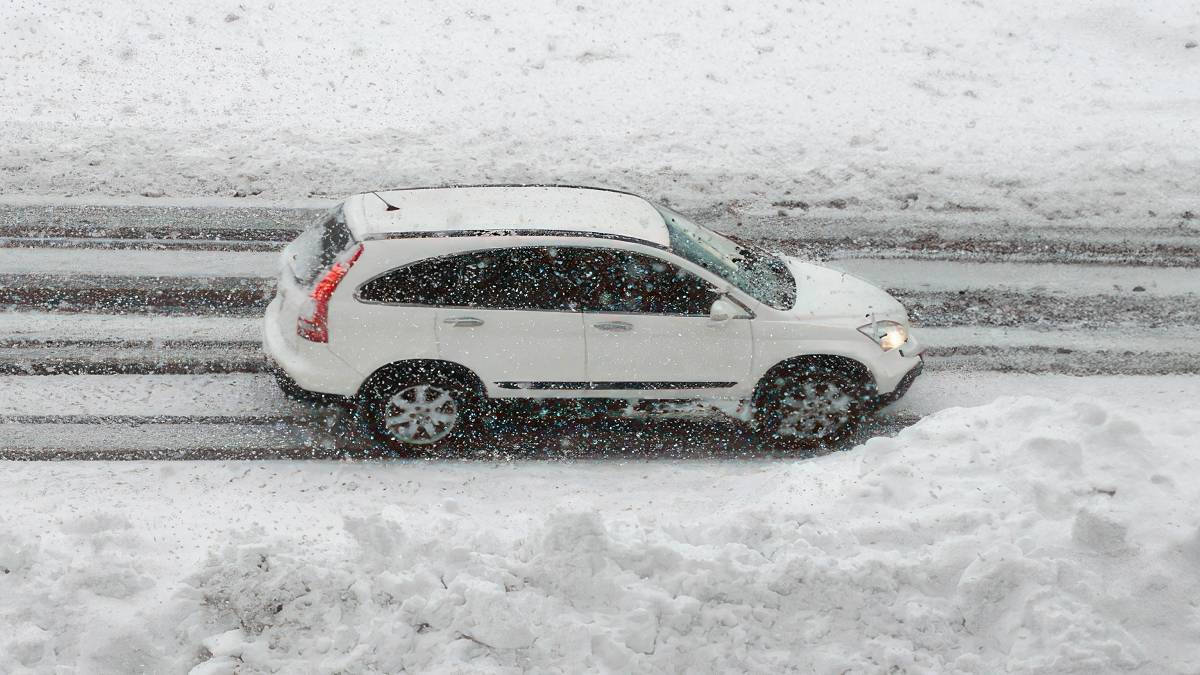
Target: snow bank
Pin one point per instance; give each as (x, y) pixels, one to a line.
(1013, 110)
(1026, 535)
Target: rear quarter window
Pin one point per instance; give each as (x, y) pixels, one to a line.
(429, 282)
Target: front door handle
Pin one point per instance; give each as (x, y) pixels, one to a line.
(617, 326)
(464, 321)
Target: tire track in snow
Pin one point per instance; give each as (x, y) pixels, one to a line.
(215, 296)
(335, 437)
(1045, 310)
(131, 417)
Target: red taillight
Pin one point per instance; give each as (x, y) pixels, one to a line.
(315, 326)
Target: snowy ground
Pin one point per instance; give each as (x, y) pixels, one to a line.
(1013, 113)
(1050, 534)
(1058, 533)
(1024, 174)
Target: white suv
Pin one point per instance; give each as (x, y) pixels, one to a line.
(427, 307)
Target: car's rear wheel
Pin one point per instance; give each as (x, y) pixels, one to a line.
(816, 409)
(420, 411)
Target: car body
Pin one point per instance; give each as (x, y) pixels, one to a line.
(560, 292)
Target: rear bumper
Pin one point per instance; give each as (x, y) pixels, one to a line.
(312, 367)
(294, 391)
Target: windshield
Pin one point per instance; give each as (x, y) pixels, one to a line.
(318, 247)
(754, 270)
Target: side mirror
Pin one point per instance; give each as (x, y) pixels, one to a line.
(723, 309)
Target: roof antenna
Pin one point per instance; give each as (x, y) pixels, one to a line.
(385, 202)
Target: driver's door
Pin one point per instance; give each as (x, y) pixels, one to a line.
(647, 327)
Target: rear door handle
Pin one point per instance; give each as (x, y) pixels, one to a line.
(464, 321)
(618, 326)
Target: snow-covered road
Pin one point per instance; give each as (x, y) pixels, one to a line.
(222, 416)
(970, 529)
(100, 337)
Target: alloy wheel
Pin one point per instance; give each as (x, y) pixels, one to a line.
(422, 414)
(815, 410)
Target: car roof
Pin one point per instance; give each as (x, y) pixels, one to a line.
(515, 209)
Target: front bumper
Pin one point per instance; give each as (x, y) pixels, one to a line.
(891, 367)
(902, 386)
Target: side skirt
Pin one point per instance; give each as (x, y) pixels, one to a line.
(612, 386)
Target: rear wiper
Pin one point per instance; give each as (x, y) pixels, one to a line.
(389, 206)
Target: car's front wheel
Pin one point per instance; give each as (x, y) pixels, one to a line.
(818, 408)
(420, 411)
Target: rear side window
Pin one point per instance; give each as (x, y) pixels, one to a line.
(316, 249)
(510, 278)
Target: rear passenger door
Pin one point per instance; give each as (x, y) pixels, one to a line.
(648, 327)
(500, 312)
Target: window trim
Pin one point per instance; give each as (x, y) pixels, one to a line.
(724, 288)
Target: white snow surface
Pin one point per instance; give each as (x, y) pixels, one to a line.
(1014, 111)
(1051, 535)
(118, 327)
(135, 263)
(1064, 279)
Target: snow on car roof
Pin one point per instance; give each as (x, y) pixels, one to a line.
(503, 207)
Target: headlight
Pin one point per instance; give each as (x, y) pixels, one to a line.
(888, 334)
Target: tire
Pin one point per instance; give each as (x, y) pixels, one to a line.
(421, 410)
(816, 407)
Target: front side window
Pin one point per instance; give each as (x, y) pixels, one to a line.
(612, 280)
(507, 278)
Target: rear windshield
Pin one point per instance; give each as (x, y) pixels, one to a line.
(316, 249)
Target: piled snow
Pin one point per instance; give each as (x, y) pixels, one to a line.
(1026, 535)
(998, 110)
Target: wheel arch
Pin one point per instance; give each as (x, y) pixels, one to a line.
(812, 363)
(410, 367)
